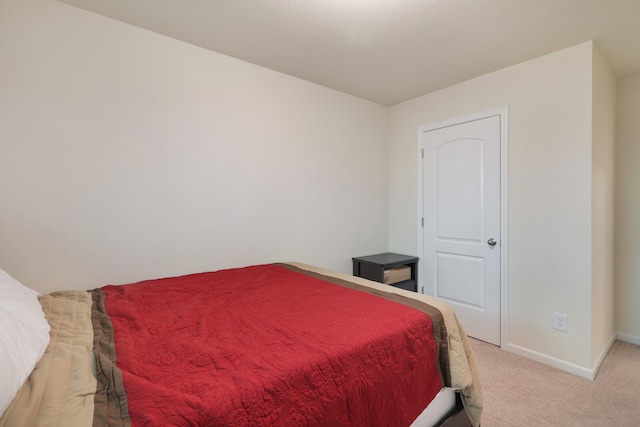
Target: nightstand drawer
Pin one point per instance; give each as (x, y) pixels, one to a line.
(397, 274)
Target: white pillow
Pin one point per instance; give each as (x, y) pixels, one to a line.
(23, 303)
(20, 349)
(24, 336)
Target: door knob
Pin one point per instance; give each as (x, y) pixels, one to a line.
(491, 242)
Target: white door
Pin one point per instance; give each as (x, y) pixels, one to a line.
(461, 234)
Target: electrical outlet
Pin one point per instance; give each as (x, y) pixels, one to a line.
(560, 322)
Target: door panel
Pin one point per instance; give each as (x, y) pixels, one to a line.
(459, 204)
(461, 183)
(460, 279)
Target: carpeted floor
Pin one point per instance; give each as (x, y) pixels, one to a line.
(521, 392)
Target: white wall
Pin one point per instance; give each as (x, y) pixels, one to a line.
(127, 155)
(628, 209)
(550, 166)
(603, 209)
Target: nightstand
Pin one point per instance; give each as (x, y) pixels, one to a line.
(393, 269)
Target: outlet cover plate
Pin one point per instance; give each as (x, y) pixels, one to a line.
(560, 322)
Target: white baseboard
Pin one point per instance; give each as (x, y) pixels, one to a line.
(631, 339)
(603, 354)
(569, 367)
(563, 365)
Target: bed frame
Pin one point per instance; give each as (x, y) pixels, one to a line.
(457, 417)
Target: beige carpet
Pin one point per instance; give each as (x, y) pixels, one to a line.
(521, 392)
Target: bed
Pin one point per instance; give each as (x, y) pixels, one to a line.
(283, 344)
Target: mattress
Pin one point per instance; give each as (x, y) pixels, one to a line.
(89, 376)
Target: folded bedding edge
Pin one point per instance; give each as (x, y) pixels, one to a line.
(67, 362)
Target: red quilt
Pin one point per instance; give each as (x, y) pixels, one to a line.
(267, 346)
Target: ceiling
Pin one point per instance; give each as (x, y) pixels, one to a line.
(389, 51)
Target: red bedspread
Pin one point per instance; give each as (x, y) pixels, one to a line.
(267, 346)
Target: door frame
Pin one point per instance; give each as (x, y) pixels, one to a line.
(503, 113)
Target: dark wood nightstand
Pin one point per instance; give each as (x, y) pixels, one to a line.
(373, 267)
